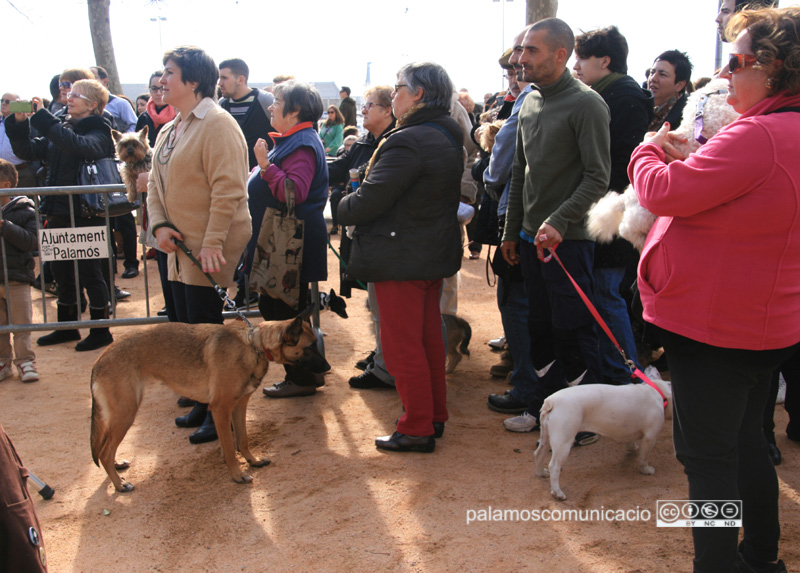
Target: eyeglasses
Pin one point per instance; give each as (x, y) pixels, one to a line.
(65, 85)
(156, 89)
(370, 105)
(76, 94)
(6, 101)
(740, 61)
(398, 86)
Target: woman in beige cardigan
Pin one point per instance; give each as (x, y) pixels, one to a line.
(197, 193)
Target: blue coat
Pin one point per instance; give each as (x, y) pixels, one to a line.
(315, 261)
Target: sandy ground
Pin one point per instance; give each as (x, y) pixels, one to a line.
(330, 501)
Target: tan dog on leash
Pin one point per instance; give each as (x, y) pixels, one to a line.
(220, 365)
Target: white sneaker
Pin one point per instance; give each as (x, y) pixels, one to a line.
(27, 371)
(5, 370)
(498, 343)
(523, 423)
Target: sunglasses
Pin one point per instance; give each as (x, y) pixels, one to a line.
(76, 94)
(65, 85)
(740, 61)
(6, 101)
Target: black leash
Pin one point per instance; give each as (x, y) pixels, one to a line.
(221, 292)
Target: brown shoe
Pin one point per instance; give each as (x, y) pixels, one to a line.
(502, 369)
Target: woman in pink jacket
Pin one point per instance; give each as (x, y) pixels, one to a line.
(720, 278)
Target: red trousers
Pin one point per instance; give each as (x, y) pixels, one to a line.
(413, 347)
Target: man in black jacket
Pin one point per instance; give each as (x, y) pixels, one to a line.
(347, 106)
(248, 106)
(601, 62)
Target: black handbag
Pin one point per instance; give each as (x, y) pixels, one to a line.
(103, 172)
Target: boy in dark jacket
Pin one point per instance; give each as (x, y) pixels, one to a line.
(18, 235)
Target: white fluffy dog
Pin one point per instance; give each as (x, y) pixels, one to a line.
(621, 214)
(629, 413)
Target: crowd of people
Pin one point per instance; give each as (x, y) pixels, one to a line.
(530, 162)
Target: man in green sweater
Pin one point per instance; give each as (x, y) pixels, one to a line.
(562, 165)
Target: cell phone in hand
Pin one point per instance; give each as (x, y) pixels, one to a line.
(20, 107)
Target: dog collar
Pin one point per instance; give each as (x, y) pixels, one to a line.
(698, 116)
(268, 353)
(643, 377)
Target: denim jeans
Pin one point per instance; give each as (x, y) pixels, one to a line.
(513, 304)
(614, 311)
(561, 327)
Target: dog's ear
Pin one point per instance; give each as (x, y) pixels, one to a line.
(116, 135)
(292, 333)
(143, 134)
(306, 313)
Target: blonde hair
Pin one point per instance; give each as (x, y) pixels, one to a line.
(95, 91)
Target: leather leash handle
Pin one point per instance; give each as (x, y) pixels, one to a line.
(635, 372)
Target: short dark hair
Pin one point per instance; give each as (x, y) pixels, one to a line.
(604, 42)
(54, 91)
(754, 4)
(155, 74)
(8, 172)
(681, 62)
(236, 66)
(102, 74)
(145, 96)
(196, 66)
(433, 79)
(559, 34)
(345, 89)
(350, 130)
(302, 97)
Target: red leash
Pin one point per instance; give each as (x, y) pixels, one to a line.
(635, 372)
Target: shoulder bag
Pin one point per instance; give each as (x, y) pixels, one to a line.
(279, 252)
(103, 172)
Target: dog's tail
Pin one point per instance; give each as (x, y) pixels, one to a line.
(467, 337)
(605, 216)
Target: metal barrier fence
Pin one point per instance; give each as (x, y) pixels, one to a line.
(34, 193)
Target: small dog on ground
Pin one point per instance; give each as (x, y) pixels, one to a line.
(459, 334)
(221, 365)
(332, 302)
(133, 150)
(621, 214)
(628, 413)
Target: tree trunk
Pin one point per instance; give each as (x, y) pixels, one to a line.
(100, 28)
(540, 9)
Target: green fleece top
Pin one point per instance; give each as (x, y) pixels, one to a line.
(563, 161)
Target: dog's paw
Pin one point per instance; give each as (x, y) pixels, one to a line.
(244, 478)
(543, 473)
(127, 487)
(259, 463)
(647, 470)
(558, 495)
(122, 465)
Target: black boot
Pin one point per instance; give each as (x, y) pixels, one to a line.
(193, 419)
(98, 337)
(66, 313)
(206, 433)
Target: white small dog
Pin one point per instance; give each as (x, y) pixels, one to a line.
(707, 111)
(623, 413)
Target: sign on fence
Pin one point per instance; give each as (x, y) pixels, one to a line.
(70, 244)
